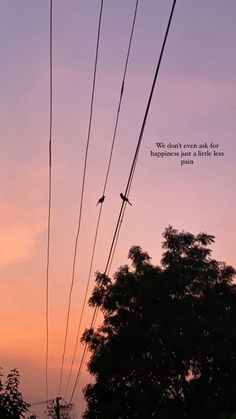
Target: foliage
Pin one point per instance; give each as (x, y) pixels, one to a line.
(65, 410)
(167, 345)
(223, 416)
(12, 405)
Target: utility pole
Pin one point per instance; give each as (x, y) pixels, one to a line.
(57, 408)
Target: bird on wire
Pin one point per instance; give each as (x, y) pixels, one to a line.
(101, 200)
(125, 199)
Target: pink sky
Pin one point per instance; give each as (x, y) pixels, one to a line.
(194, 102)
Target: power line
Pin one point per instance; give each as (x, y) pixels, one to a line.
(104, 188)
(82, 196)
(49, 186)
(41, 402)
(119, 227)
(121, 96)
(116, 240)
(82, 358)
(84, 302)
(133, 166)
(128, 186)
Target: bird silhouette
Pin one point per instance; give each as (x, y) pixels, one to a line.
(125, 199)
(101, 200)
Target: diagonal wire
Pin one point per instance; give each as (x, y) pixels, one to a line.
(121, 95)
(133, 166)
(128, 186)
(82, 197)
(84, 302)
(83, 357)
(104, 189)
(49, 189)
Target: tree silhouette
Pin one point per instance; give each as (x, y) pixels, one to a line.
(64, 408)
(12, 405)
(167, 346)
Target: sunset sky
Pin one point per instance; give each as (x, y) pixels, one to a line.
(194, 102)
